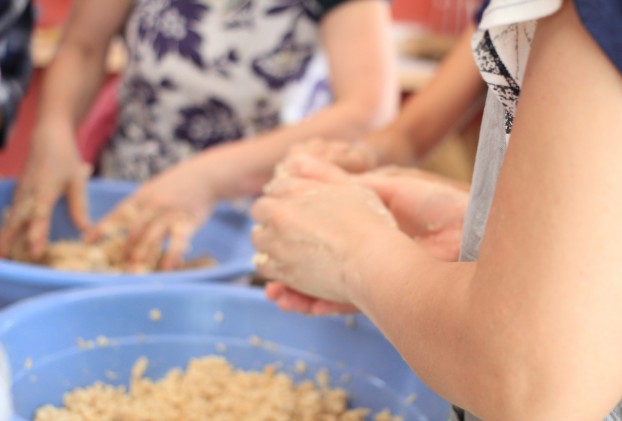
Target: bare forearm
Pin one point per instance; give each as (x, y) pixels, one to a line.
(77, 71)
(242, 168)
(459, 341)
(531, 331)
(443, 104)
(433, 331)
(70, 85)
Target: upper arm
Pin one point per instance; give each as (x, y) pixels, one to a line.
(549, 282)
(360, 52)
(93, 24)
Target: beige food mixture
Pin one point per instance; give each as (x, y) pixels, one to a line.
(105, 256)
(210, 389)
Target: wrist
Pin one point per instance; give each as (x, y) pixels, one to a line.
(393, 262)
(211, 172)
(379, 259)
(56, 131)
(228, 171)
(397, 146)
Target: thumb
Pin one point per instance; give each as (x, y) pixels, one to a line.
(382, 185)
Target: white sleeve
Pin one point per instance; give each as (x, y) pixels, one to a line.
(506, 12)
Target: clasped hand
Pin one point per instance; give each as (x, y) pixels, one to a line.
(318, 227)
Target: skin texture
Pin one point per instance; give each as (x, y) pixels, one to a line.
(173, 204)
(424, 121)
(532, 329)
(427, 117)
(63, 103)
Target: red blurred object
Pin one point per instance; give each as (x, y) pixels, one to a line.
(442, 16)
(52, 13)
(411, 10)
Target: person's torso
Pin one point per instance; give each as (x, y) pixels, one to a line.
(203, 72)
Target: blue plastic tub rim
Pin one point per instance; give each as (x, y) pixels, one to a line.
(43, 302)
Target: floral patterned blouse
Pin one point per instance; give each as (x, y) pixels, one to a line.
(203, 72)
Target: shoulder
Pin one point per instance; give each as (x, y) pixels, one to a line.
(602, 19)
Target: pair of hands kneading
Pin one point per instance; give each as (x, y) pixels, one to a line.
(319, 226)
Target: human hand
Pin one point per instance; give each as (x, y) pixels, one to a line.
(353, 157)
(392, 145)
(427, 207)
(54, 168)
(168, 208)
(314, 224)
(289, 299)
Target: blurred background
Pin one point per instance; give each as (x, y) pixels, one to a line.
(423, 31)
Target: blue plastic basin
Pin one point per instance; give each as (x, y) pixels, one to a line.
(226, 237)
(41, 339)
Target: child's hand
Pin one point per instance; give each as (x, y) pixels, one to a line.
(168, 208)
(54, 169)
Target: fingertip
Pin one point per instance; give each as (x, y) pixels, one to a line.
(37, 248)
(4, 240)
(274, 290)
(304, 164)
(322, 308)
(270, 293)
(7, 237)
(82, 223)
(133, 255)
(318, 311)
(91, 234)
(284, 304)
(308, 166)
(170, 263)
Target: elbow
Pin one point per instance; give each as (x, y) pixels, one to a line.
(538, 402)
(541, 379)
